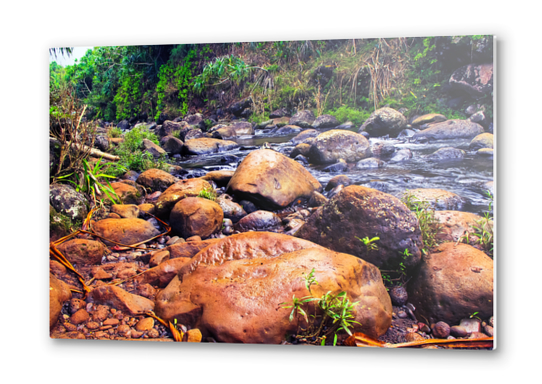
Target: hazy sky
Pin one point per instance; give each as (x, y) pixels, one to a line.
(63, 60)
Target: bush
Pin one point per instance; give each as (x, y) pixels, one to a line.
(344, 114)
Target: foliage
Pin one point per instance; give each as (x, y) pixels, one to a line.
(344, 114)
(429, 225)
(114, 132)
(483, 229)
(369, 243)
(208, 193)
(332, 314)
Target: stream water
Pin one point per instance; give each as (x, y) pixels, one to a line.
(466, 177)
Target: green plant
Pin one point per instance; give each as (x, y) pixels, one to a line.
(208, 193)
(369, 243)
(429, 225)
(332, 314)
(88, 181)
(114, 132)
(483, 229)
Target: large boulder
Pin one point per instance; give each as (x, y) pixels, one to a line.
(153, 149)
(271, 180)
(238, 107)
(325, 121)
(475, 79)
(128, 194)
(178, 191)
(83, 251)
(337, 144)
(195, 216)
(168, 127)
(483, 140)
(239, 128)
(304, 135)
(206, 145)
(125, 231)
(156, 179)
(303, 119)
(68, 202)
(447, 153)
(457, 226)
(450, 129)
(357, 212)
(452, 283)
(429, 118)
(233, 289)
(172, 145)
(384, 121)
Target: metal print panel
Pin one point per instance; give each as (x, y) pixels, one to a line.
(322, 192)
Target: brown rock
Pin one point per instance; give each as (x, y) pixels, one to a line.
(128, 194)
(196, 216)
(119, 299)
(153, 148)
(147, 208)
(221, 178)
(231, 210)
(476, 79)
(338, 180)
(194, 336)
(189, 249)
(330, 146)
(178, 191)
(76, 304)
(413, 336)
(125, 231)
(162, 274)
(428, 119)
(82, 251)
(317, 199)
(450, 129)
(357, 212)
(56, 268)
(172, 145)
(258, 221)
(483, 140)
(156, 179)
(455, 225)
(193, 239)
(271, 180)
(441, 330)
(458, 331)
(158, 258)
(145, 324)
(205, 145)
(384, 121)
(126, 211)
(233, 290)
(454, 282)
(79, 317)
(59, 293)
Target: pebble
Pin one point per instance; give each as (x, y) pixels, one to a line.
(153, 333)
(413, 337)
(92, 325)
(136, 334)
(76, 304)
(471, 325)
(123, 329)
(145, 324)
(402, 314)
(398, 296)
(441, 330)
(172, 240)
(79, 317)
(194, 336)
(488, 330)
(424, 328)
(476, 335)
(458, 331)
(112, 322)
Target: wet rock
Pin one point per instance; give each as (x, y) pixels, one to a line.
(245, 277)
(405, 133)
(59, 293)
(258, 221)
(384, 121)
(483, 140)
(271, 180)
(220, 178)
(158, 258)
(335, 191)
(191, 134)
(338, 180)
(125, 231)
(438, 199)
(205, 145)
(68, 202)
(471, 325)
(441, 330)
(485, 153)
(458, 331)
(194, 336)
(126, 211)
(127, 193)
(300, 149)
(231, 209)
(189, 249)
(303, 119)
(162, 274)
(236, 129)
(371, 162)
(179, 191)
(130, 175)
(434, 288)
(447, 153)
(119, 299)
(428, 119)
(82, 251)
(79, 317)
(195, 216)
(238, 107)
(338, 144)
(172, 145)
(145, 324)
(325, 121)
(339, 166)
(358, 212)
(347, 125)
(194, 119)
(475, 79)
(153, 149)
(401, 155)
(56, 268)
(156, 179)
(383, 150)
(146, 208)
(304, 135)
(450, 129)
(168, 127)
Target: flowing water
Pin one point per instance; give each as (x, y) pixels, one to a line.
(466, 177)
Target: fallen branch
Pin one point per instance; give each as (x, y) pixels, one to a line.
(359, 339)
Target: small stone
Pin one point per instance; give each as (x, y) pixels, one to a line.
(193, 238)
(101, 313)
(153, 333)
(194, 336)
(76, 304)
(471, 325)
(145, 324)
(441, 330)
(491, 321)
(398, 296)
(112, 322)
(136, 334)
(79, 317)
(477, 335)
(458, 331)
(92, 325)
(172, 240)
(488, 330)
(402, 314)
(424, 328)
(123, 329)
(409, 337)
(70, 327)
